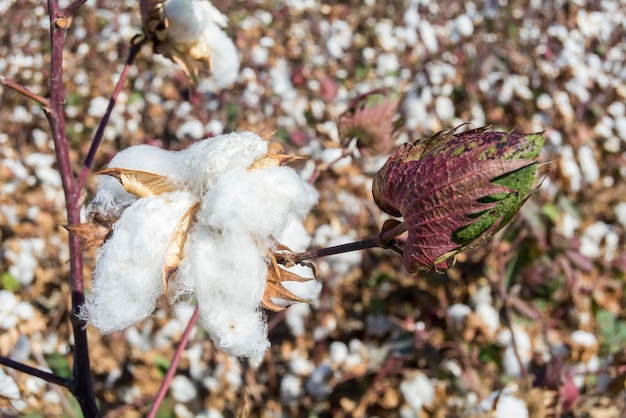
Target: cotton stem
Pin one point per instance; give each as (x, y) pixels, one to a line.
(82, 387)
(24, 91)
(97, 139)
(171, 371)
(386, 239)
(47, 376)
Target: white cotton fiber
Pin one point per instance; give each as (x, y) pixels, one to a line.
(418, 391)
(187, 19)
(262, 202)
(207, 160)
(224, 57)
(197, 23)
(127, 279)
(227, 272)
(111, 198)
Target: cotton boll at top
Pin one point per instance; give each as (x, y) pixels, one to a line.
(197, 23)
(207, 160)
(224, 57)
(188, 17)
(127, 278)
(260, 202)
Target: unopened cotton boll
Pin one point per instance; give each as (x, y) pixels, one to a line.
(127, 279)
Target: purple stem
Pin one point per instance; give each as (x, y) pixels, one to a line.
(171, 371)
(82, 387)
(47, 376)
(97, 139)
(384, 240)
(24, 91)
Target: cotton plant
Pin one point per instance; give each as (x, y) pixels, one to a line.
(191, 33)
(199, 226)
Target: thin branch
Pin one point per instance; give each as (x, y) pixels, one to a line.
(385, 240)
(171, 371)
(72, 7)
(97, 139)
(82, 387)
(24, 91)
(33, 371)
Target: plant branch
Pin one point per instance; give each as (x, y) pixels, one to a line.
(167, 380)
(33, 371)
(24, 91)
(386, 239)
(72, 7)
(135, 47)
(82, 387)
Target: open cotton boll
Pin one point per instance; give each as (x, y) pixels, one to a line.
(224, 57)
(127, 278)
(188, 18)
(260, 202)
(111, 198)
(207, 160)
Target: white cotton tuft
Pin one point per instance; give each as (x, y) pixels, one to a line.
(224, 57)
(127, 279)
(509, 406)
(418, 391)
(261, 202)
(111, 198)
(241, 333)
(227, 272)
(207, 160)
(199, 23)
(188, 18)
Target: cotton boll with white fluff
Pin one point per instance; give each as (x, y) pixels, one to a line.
(198, 23)
(127, 278)
(186, 22)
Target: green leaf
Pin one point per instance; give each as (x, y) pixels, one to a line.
(9, 282)
(162, 364)
(59, 365)
(612, 331)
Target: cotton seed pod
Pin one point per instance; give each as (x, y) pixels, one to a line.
(190, 33)
(455, 191)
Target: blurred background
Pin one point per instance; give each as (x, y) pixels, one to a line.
(532, 323)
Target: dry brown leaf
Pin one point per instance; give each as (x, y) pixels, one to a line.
(174, 253)
(275, 157)
(93, 234)
(274, 286)
(142, 183)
